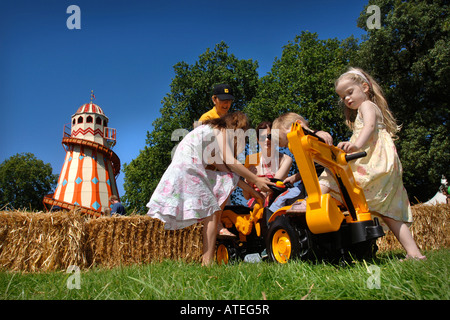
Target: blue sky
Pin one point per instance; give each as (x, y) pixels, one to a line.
(125, 51)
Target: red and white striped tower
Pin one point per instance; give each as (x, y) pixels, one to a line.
(88, 176)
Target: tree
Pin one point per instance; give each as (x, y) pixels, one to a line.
(410, 57)
(302, 81)
(189, 98)
(24, 181)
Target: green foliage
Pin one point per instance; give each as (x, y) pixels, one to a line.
(410, 57)
(189, 97)
(24, 181)
(302, 81)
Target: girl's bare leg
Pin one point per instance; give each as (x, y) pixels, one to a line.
(209, 238)
(404, 236)
(220, 228)
(400, 230)
(210, 235)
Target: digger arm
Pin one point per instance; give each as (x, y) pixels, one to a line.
(323, 214)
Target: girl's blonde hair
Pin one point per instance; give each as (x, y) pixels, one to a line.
(286, 120)
(375, 95)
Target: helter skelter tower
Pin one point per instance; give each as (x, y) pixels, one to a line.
(88, 175)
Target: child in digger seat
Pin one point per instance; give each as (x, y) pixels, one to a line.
(379, 174)
(281, 127)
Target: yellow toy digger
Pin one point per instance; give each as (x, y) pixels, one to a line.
(328, 230)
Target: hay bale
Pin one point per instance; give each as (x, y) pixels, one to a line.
(430, 229)
(56, 240)
(113, 241)
(41, 241)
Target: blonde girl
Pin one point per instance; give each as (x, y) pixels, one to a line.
(379, 173)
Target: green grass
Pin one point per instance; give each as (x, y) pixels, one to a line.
(177, 280)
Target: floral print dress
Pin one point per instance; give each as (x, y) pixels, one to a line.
(379, 174)
(188, 193)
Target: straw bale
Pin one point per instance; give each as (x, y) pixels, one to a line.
(430, 229)
(138, 239)
(54, 241)
(41, 242)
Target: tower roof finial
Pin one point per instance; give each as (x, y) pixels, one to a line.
(92, 95)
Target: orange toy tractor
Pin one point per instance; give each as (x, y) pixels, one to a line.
(329, 229)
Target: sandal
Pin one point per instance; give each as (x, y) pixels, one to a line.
(225, 234)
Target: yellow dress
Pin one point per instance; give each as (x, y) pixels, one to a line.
(379, 174)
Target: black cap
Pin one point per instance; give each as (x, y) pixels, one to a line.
(223, 92)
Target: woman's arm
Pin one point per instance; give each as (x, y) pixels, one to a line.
(246, 189)
(285, 166)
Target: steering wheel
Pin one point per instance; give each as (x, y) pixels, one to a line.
(280, 187)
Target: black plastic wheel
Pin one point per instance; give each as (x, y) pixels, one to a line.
(286, 241)
(226, 253)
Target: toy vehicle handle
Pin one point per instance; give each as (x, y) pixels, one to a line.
(287, 185)
(354, 156)
(312, 133)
